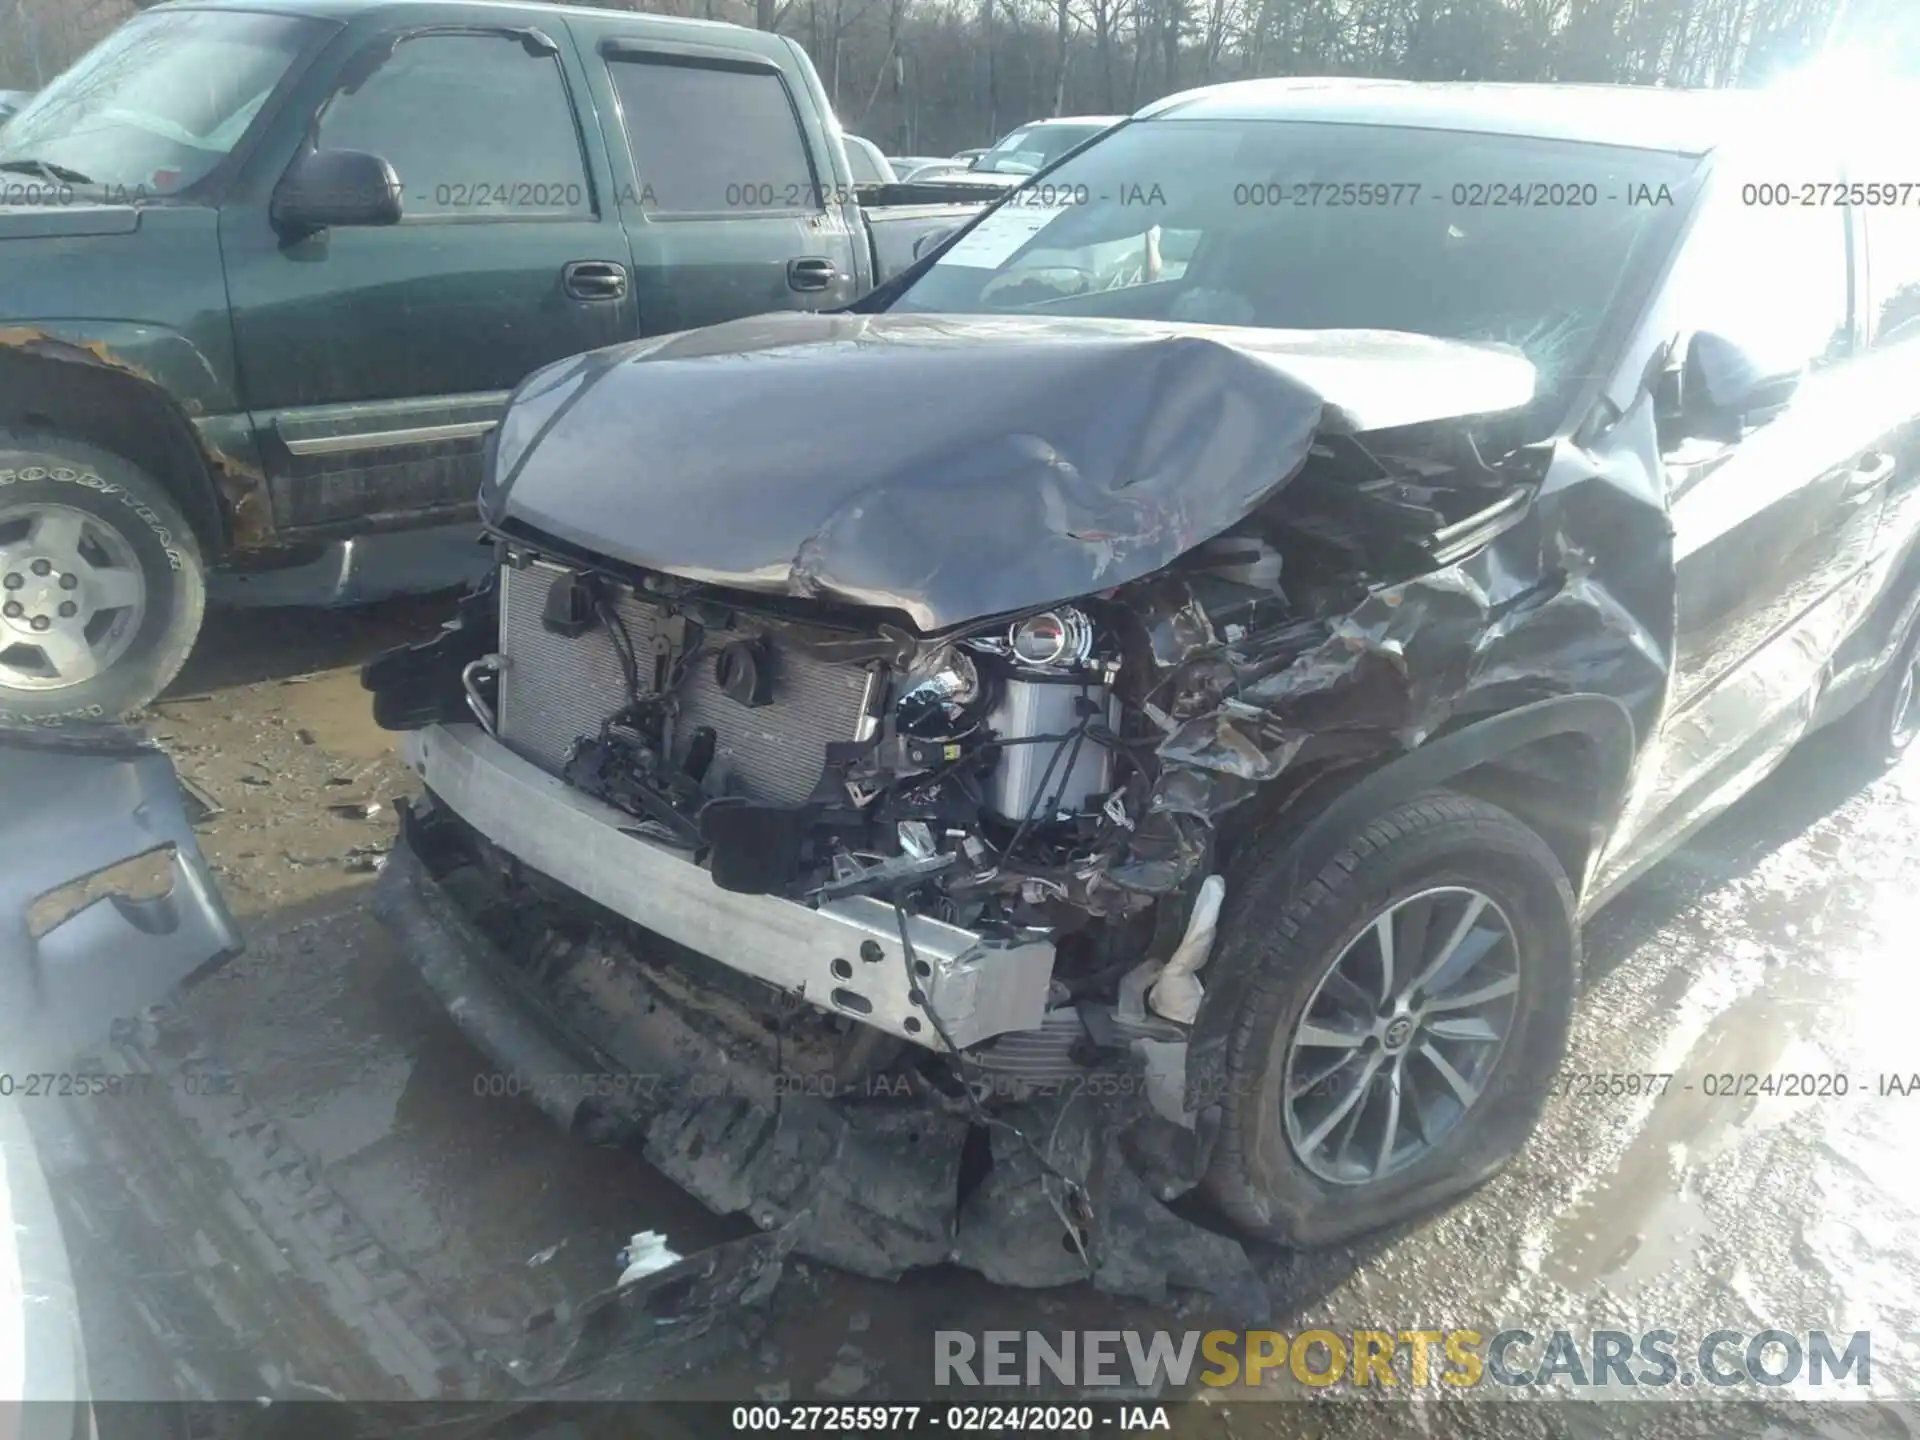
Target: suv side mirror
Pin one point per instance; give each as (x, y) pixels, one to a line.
(1723, 385)
(323, 188)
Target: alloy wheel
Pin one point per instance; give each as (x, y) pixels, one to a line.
(72, 596)
(1401, 1035)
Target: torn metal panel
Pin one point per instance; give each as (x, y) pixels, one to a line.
(79, 803)
(1089, 454)
(1576, 598)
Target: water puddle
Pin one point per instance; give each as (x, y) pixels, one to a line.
(1646, 1219)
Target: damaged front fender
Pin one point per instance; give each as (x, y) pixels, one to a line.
(1562, 623)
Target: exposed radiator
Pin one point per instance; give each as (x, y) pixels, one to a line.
(557, 688)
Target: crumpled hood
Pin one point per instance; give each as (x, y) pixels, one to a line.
(950, 466)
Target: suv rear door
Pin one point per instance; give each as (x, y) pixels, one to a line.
(725, 175)
(375, 359)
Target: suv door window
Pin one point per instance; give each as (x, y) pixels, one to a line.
(476, 126)
(1893, 265)
(1771, 278)
(712, 139)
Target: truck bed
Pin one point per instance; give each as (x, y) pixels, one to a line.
(899, 214)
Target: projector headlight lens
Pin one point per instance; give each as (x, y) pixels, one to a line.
(1058, 637)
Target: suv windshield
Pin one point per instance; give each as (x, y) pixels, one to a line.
(1305, 225)
(158, 103)
(1032, 148)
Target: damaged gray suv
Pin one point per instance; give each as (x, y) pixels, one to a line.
(1143, 703)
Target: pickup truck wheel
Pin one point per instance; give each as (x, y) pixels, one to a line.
(102, 587)
(1408, 1008)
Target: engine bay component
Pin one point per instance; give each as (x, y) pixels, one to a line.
(1049, 762)
(940, 693)
(1058, 637)
(476, 677)
(770, 726)
(845, 956)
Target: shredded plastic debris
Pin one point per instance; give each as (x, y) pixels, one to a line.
(646, 1253)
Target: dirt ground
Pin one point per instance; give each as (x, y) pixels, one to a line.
(1782, 941)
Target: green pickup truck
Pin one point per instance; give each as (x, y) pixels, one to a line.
(269, 272)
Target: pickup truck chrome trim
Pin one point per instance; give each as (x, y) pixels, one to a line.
(381, 439)
(844, 957)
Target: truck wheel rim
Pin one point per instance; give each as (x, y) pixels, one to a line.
(1401, 1035)
(72, 596)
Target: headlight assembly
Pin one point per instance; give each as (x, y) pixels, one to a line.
(939, 695)
(1063, 636)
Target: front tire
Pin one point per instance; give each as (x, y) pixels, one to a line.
(102, 586)
(1407, 1010)
(1885, 724)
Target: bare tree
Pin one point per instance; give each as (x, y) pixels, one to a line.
(942, 75)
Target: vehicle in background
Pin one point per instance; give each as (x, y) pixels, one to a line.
(267, 276)
(966, 177)
(1032, 148)
(1182, 758)
(906, 166)
(12, 102)
(870, 167)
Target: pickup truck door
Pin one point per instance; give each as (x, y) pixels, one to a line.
(726, 178)
(375, 359)
(1773, 529)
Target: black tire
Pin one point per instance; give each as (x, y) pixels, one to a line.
(1884, 726)
(119, 494)
(1289, 941)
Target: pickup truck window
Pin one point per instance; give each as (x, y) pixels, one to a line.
(158, 104)
(475, 126)
(1306, 225)
(712, 139)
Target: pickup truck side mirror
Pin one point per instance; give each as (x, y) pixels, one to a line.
(323, 188)
(1723, 385)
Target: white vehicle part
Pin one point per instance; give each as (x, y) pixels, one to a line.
(1177, 993)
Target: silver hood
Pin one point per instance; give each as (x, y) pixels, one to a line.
(951, 467)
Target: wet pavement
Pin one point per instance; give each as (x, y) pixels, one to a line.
(1782, 942)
